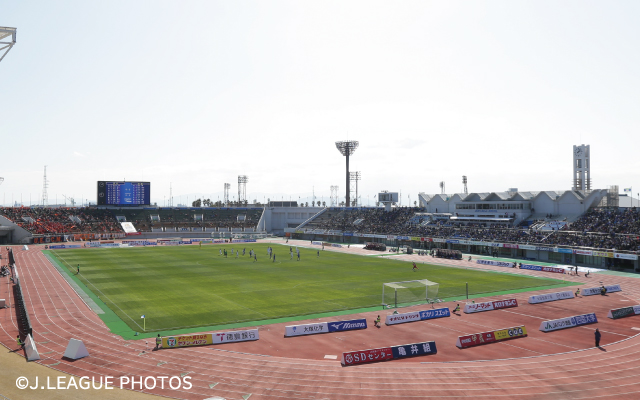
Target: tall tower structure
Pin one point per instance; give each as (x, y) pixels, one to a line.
(347, 148)
(7, 40)
(227, 186)
(45, 186)
(356, 176)
(464, 182)
(334, 195)
(242, 188)
(582, 168)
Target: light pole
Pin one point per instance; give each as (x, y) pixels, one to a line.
(347, 148)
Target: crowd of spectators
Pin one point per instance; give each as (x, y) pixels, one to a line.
(598, 228)
(62, 220)
(371, 220)
(608, 221)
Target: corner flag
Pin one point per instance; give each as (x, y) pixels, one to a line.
(144, 323)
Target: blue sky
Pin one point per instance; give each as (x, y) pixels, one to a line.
(192, 94)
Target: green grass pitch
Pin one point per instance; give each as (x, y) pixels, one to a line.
(189, 286)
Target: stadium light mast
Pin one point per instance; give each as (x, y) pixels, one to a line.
(45, 185)
(464, 182)
(356, 176)
(6, 44)
(225, 199)
(347, 148)
(242, 188)
(334, 195)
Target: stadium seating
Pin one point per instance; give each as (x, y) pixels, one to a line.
(599, 228)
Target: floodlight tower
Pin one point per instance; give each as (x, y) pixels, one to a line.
(45, 185)
(347, 148)
(227, 186)
(356, 176)
(6, 44)
(464, 182)
(334, 195)
(442, 187)
(242, 188)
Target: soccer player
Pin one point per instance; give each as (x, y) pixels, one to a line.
(291, 253)
(298, 255)
(243, 251)
(78, 269)
(274, 257)
(255, 257)
(318, 254)
(415, 267)
(220, 251)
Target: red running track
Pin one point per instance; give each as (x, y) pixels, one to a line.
(556, 365)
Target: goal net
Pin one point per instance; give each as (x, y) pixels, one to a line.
(407, 292)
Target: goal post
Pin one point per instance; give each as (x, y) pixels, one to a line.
(407, 292)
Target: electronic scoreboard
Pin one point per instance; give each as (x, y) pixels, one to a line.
(111, 193)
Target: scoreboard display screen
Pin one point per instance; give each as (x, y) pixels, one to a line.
(123, 193)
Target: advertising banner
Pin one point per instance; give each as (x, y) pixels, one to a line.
(544, 248)
(543, 298)
(350, 325)
(432, 314)
(171, 342)
(526, 247)
(510, 246)
(490, 337)
(475, 340)
(306, 329)
(624, 312)
(625, 256)
(235, 336)
(366, 356)
(569, 322)
(414, 349)
(553, 269)
(607, 254)
(324, 327)
(489, 305)
(597, 290)
(567, 251)
(583, 252)
(402, 318)
(496, 263)
(510, 333)
(543, 268)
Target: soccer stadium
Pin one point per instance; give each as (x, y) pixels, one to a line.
(500, 294)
